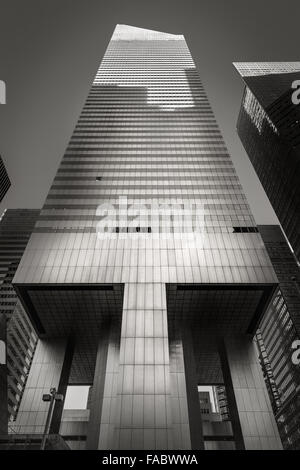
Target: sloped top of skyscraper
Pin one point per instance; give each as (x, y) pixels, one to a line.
(247, 69)
(125, 32)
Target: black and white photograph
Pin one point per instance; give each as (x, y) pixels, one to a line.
(149, 231)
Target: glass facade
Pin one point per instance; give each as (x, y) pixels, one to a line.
(16, 226)
(146, 252)
(277, 332)
(268, 126)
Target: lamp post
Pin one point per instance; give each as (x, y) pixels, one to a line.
(50, 397)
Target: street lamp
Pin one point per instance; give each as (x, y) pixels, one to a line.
(52, 397)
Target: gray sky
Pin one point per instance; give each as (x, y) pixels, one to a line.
(50, 51)
(76, 397)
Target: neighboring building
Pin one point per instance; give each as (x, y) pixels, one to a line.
(222, 401)
(4, 180)
(146, 308)
(217, 433)
(74, 428)
(21, 344)
(205, 405)
(279, 328)
(268, 372)
(269, 128)
(16, 226)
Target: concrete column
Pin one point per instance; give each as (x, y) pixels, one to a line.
(137, 402)
(45, 372)
(103, 403)
(195, 418)
(144, 410)
(62, 386)
(186, 414)
(179, 406)
(252, 417)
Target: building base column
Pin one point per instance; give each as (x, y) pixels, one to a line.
(103, 406)
(250, 409)
(144, 393)
(144, 411)
(186, 413)
(49, 362)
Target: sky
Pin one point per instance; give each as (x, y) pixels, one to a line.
(76, 397)
(50, 51)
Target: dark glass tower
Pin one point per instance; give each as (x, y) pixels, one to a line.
(279, 329)
(4, 180)
(16, 226)
(145, 275)
(269, 128)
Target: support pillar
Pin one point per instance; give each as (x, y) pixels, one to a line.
(250, 409)
(186, 413)
(195, 418)
(45, 372)
(137, 401)
(62, 387)
(103, 405)
(144, 413)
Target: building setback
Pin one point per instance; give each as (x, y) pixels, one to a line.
(16, 226)
(144, 308)
(269, 128)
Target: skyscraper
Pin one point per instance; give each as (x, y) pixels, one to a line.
(214, 426)
(4, 180)
(15, 229)
(145, 274)
(268, 126)
(279, 329)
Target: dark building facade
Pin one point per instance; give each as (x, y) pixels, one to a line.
(279, 329)
(4, 180)
(222, 402)
(269, 128)
(145, 274)
(268, 372)
(16, 226)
